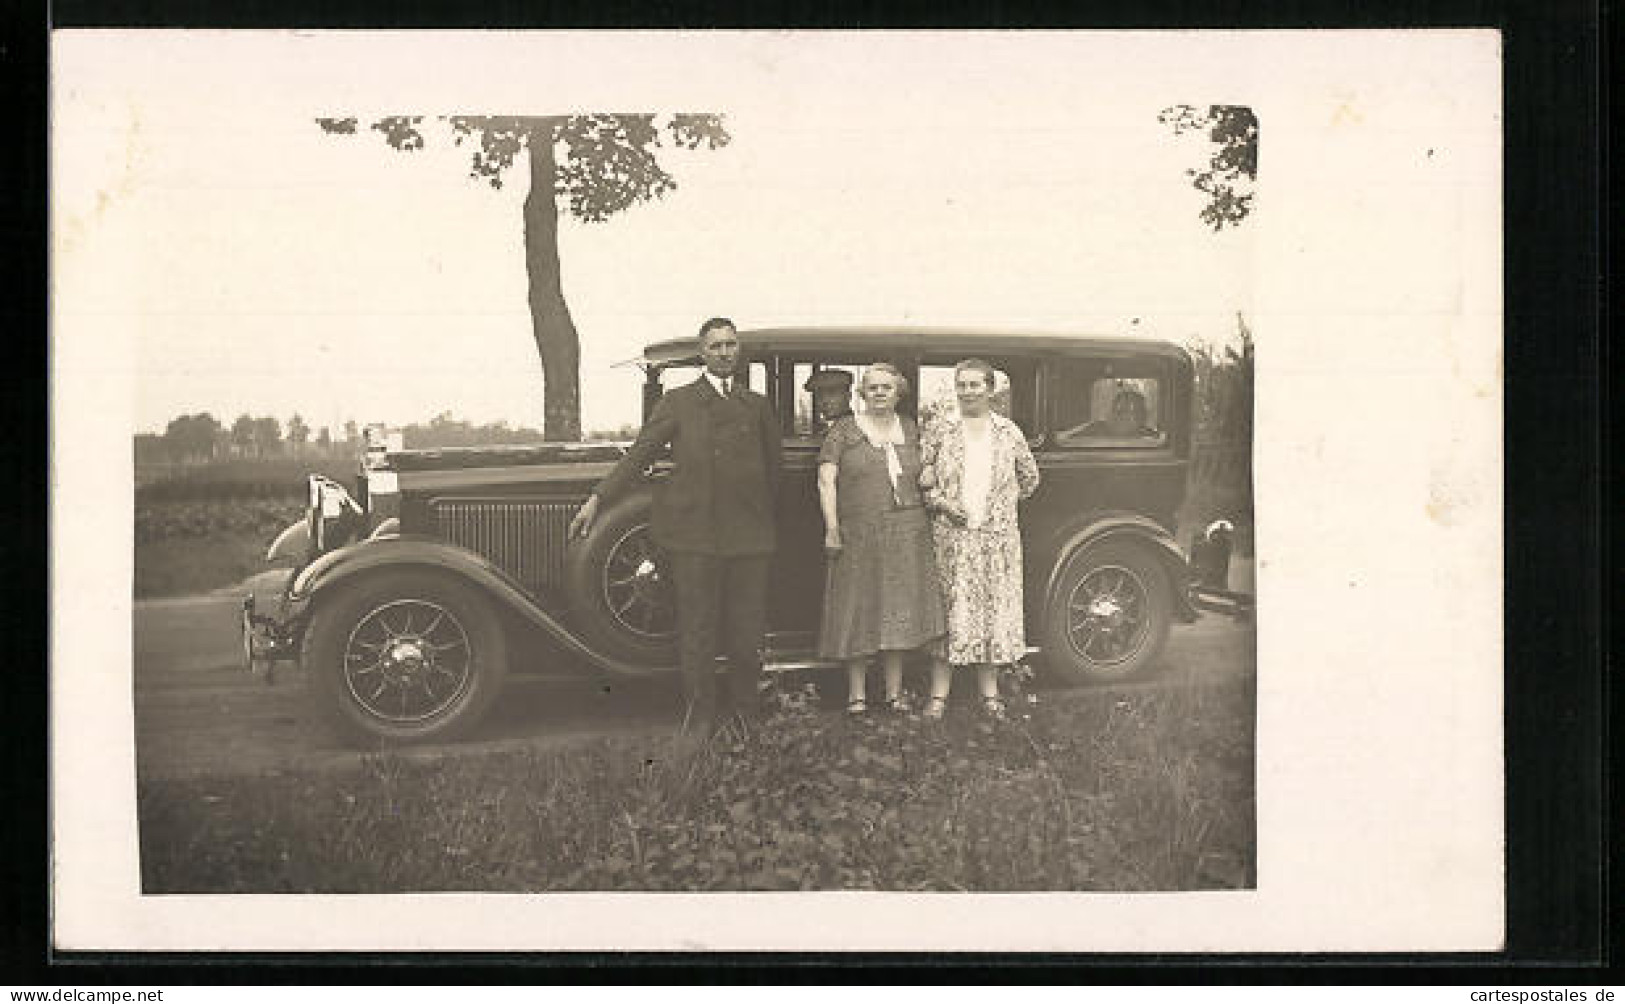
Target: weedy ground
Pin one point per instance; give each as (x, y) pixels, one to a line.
(192, 546)
(1085, 790)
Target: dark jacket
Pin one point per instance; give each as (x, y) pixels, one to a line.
(725, 477)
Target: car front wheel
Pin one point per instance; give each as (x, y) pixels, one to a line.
(1109, 615)
(621, 594)
(405, 656)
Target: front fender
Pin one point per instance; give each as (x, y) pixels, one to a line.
(347, 564)
(1105, 526)
(294, 542)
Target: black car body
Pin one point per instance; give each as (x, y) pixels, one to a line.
(416, 591)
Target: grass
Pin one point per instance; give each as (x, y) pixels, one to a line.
(190, 547)
(1093, 790)
(182, 566)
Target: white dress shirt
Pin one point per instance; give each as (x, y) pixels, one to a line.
(978, 483)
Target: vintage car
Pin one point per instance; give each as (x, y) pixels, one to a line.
(416, 591)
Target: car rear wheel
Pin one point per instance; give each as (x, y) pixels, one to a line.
(622, 600)
(405, 656)
(1109, 616)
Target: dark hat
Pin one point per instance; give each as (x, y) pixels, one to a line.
(828, 378)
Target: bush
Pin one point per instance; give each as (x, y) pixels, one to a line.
(174, 520)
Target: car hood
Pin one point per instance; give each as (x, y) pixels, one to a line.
(453, 458)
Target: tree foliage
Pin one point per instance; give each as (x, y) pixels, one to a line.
(242, 433)
(191, 437)
(1224, 388)
(267, 435)
(446, 430)
(593, 166)
(298, 431)
(1232, 167)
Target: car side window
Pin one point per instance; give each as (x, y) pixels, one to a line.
(677, 376)
(1107, 405)
(822, 391)
(937, 399)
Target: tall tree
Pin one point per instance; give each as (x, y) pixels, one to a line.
(242, 433)
(1232, 167)
(597, 165)
(324, 439)
(298, 433)
(191, 437)
(267, 435)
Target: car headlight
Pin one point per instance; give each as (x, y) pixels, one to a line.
(333, 517)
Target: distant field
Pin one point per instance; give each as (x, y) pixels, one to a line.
(238, 478)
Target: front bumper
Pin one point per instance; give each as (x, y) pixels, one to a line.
(267, 640)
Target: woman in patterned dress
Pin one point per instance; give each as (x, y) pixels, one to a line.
(974, 469)
(881, 595)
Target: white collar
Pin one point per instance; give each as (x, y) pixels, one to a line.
(716, 383)
(880, 435)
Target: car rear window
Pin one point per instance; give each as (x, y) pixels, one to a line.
(1108, 404)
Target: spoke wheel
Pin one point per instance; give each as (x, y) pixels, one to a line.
(622, 598)
(637, 589)
(404, 656)
(1109, 614)
(407, 661)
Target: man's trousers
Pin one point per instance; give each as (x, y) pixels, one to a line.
(721, 610)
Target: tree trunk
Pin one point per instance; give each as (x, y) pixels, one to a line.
(555, 333)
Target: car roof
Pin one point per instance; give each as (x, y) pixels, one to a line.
(915, 339)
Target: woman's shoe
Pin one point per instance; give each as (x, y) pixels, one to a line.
(897, 705)
(935, 708)
(993, 708)
(857, 706)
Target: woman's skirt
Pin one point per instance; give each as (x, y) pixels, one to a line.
(981, 588)
(881, 592)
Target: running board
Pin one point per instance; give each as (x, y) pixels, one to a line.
(803, 660)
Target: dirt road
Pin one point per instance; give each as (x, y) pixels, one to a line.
(198, 711)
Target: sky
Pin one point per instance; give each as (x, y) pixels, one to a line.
(260, 265)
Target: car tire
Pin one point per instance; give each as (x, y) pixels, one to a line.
(1109, 615)
(405, 656)
(622, 599)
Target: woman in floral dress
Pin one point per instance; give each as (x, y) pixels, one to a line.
(881, 598)
(974, 469)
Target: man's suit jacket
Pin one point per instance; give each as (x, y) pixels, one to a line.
(725, 477)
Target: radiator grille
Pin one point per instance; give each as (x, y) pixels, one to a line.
(525, 539)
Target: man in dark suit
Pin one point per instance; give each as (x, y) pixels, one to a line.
(714, 518)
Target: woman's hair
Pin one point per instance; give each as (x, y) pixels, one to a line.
(981, 366)
(885, 367)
